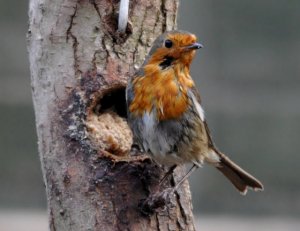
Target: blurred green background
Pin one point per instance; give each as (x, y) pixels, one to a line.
(248, 74)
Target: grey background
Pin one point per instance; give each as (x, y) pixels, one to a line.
(248, 77)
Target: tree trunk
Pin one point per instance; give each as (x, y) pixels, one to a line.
(79, 67)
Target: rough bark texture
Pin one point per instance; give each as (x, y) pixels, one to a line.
(79, 65)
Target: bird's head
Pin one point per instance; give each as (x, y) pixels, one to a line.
(163, 81)
(173, 47)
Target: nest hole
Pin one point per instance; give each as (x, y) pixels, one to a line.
(114, 100)
(107, 126)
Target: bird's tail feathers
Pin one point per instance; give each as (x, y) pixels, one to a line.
(241, 179)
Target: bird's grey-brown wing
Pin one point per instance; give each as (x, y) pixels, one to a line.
(241, 179)
(196, 95)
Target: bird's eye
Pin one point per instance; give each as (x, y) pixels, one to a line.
(168, 43)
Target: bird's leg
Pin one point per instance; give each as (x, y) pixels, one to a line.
(170, 171)
(192, 169)
(161, 198)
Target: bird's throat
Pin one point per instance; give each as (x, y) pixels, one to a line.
(162, 91)
(167, 62)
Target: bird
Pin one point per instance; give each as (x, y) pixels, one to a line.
(166, 116)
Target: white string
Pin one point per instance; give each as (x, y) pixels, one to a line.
(123, 16)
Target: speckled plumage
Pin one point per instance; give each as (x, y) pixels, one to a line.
(165, 112)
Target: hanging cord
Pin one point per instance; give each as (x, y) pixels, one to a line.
(123, 15)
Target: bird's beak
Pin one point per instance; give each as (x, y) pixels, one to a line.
(194, 46)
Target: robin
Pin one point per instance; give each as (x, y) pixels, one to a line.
(166, 115)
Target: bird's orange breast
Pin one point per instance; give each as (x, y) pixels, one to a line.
(164, 91)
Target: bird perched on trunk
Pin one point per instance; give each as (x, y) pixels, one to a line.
(166, 115)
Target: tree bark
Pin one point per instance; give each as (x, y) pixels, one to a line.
(79, 68)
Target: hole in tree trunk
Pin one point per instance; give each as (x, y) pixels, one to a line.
(114, 100)
(106, 122)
